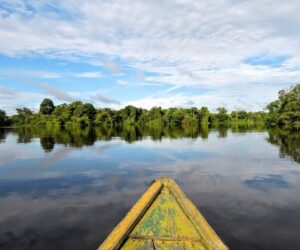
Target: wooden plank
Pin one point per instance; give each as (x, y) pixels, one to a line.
(122, 230)
(134, 244)
(179, 245)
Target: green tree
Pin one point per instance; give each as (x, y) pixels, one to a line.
(286, 110)
(191, 116)
(47, 107)
(222, 115)
(3, 118)
(104, 117)
(89, 110)
(130, 114)
(23, 116)
(174, 116)
(204, 115)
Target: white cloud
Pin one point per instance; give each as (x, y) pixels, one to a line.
(11, 99)
(94, 74)
(112, 66)
(122, 82)
(199, 44)
(243, 97)
(44, 74)
(13, 73)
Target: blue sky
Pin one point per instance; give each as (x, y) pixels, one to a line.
(148, 53)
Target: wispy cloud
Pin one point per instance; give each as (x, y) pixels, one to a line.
(112, 66)
(10, 99)
(6, 92)
(13, 73)
(122, 82)
(57, 93)
(93, 74)
(44, 74)
(195, 44)
(231, 99)
(48, 89)
(101, 98)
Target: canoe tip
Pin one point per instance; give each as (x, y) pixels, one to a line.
(164, 178)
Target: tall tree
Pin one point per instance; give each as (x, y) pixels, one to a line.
(47, 107)
(222, 114)
(286, 110)
(3, 118)
(90, 110)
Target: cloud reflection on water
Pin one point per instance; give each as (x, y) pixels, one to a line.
(72, 197)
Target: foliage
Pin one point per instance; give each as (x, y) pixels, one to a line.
(23, 116)
(222, 115)
(47, 107)
(82, 115)
(285, 111)
(4, 119)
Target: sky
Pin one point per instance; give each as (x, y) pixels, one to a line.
(172, 53)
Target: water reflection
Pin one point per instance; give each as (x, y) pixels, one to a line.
(268, 183)
(47, 143)
(288, 141)
(2, 135)
(62, 189)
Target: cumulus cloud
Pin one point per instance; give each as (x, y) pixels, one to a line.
(198, 44)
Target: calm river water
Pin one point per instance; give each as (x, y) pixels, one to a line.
(68, 189)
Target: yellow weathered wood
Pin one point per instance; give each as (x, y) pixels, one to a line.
(164, 218)
(179, 245)
(121, 231)
(133, 244)
(208, 235)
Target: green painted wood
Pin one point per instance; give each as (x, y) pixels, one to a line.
(165, 218)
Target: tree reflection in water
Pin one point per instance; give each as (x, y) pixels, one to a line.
(288, 141)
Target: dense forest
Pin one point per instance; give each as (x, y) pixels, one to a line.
(284, 112)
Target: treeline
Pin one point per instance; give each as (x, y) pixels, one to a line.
(82, 115)
(284, 112)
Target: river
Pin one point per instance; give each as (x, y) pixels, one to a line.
(62, 189)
